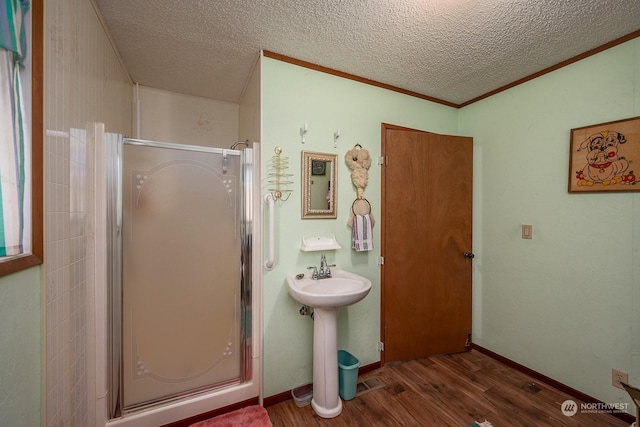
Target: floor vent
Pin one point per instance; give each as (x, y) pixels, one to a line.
(368, 385)
(533, 388)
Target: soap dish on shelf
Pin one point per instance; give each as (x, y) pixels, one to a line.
(302, 395)
(310, 244)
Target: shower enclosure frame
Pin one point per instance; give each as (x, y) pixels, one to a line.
(249, 359)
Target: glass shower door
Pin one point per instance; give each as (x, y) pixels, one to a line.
(182, 269)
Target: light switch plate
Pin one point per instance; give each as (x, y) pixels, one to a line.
(527, 231)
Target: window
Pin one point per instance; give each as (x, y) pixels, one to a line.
(33, 255)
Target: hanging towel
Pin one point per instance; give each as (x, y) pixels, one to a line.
(362, 237)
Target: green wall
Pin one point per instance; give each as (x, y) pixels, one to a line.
(20, 348)
(291, 96)
(566, 303)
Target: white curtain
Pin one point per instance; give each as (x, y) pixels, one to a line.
(12, 132)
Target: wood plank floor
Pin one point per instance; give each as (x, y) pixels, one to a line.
(450, 390)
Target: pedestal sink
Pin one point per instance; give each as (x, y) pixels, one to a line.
(326, 296)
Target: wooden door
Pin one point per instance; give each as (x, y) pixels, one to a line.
(426, 243)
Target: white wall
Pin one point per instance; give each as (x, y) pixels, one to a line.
(84, 83)
(172, 117)
(565, 303)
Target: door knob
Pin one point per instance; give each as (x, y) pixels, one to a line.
(469, 255)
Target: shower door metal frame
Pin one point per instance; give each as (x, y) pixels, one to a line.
(114, 169)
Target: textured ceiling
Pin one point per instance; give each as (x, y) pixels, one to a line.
(453, 50)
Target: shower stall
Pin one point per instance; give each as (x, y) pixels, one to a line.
(179, 224)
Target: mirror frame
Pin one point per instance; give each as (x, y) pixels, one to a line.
(308, 157)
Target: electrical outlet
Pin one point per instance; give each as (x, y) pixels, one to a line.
(618, 377)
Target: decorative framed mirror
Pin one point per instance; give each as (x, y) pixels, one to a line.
(319, 190)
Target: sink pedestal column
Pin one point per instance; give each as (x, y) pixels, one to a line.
(326, 401)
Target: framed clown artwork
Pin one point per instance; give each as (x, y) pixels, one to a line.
(605, 157)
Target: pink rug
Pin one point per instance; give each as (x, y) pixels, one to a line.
(253, 416)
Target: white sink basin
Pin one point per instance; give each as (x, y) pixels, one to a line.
(326, 296)
(340, 290)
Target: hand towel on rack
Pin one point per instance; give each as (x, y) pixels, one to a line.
(362, 236)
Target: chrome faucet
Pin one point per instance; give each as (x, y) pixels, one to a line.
(325, 269)
(314, 274)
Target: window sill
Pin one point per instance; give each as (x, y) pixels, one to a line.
(17, 263)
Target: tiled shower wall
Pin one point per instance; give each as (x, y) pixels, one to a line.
(84, 84)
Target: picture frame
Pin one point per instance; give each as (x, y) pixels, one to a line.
(318, 167)
(605, 157)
